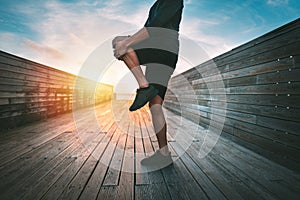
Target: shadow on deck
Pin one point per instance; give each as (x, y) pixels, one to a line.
(63, 158)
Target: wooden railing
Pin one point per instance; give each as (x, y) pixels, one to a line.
(30, 91)
(261, 82)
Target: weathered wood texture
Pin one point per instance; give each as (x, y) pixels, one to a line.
(54, 159)
(256, 88)
(30, 91)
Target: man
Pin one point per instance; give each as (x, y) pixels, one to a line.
(156, 46)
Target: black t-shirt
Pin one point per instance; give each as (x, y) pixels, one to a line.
(165, 14)
(163, 26)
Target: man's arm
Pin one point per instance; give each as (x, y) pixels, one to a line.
(137, 37)
(122, 46)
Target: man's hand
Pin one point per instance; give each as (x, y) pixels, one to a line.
(120, 48)
(122, 43)
(118, 39)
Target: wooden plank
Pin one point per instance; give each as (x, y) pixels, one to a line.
(209, 112)
(193, 150)
(278, 124)
(287, 76)
(126, 189)
(297, 61)
(259, 191)
(38, 190)
(25, 65)
(261, 188)
(36, 184)
(284, 46)
(242, 112)
(280, 48)
(286, 138)
(282, 160)
(202, 179)
(286, 113)
(280, 89)
(28, 132)
(25, 138)
(77, 185)
(44, 91)
(272, 60)
(35, 143)
(245, 188)
(233, 163)
(84, 140)
(146, 124)
(266, 171)
(59, 187)
(247, 152)
(243, 68)
(275, 66)
(108, 192)
(15, 172)
(114, 171)
(216, 175)
(281, 31)
(258, 138)
(89, 142)
(277, 136)
(141, 175)
(284, 88)
(180, 182)
(248, 99)
(4, 101)
(30, 76)
(96, 179)
(152, 192)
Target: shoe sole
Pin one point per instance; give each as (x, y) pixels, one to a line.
(149, 99)
(154, 167)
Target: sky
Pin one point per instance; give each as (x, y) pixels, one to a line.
(64, 33)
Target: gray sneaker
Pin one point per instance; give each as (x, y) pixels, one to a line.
(157, 160)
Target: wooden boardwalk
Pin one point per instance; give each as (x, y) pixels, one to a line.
(52, 160)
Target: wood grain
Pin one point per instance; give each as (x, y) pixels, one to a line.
(257, 86)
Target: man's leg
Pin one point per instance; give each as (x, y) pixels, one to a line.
(146, 92)
(162, 157)
(132, 62)
(159, 124)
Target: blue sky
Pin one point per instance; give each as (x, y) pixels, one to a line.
(63, 33)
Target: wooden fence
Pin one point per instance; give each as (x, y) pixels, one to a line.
(260, 99)
(30, 91)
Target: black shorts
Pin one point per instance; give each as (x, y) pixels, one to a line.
(160, 65)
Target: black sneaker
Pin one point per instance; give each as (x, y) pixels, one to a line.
(157, 160)
(143, 95)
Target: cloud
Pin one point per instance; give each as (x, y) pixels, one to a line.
(119, 11)
(11, 43)
(67, 33)
(214, 45)
(277, 2)
(187, 2)
(49, 52)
